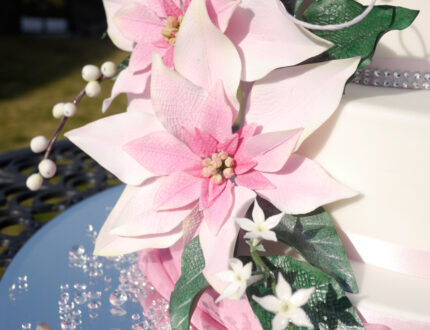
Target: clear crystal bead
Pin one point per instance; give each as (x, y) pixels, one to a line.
(396, 74)
(427, 76)
(118, 298)
(377, 73)
(415, 85)
(417, 76)
(426, 85)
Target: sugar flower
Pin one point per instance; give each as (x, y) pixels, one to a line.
(238, 278)
(184, 166)
(163, 26)
(259, 228)
(286, 306)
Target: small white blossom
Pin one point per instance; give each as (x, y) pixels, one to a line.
(239, 277)
(286, 305)
(259, 228)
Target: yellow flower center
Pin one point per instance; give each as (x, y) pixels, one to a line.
(287, 307)
(171, 29)
(218, 167)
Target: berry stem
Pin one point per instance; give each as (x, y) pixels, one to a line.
(63, 121)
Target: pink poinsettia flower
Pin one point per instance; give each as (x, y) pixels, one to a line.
(184, 164)
(176, 33)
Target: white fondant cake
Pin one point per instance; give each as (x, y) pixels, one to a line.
(378, 143)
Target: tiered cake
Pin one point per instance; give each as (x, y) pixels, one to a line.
(378, 144)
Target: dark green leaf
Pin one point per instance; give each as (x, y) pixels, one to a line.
(123, 65)
(292, 6)
(328, 307)
(189, 285)
(360, 39)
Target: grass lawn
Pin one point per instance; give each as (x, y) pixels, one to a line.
(36, 73)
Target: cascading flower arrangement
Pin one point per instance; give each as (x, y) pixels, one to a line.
(219, 105)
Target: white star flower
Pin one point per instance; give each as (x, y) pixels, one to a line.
(238, 278)
(259, 228)
(286, 305)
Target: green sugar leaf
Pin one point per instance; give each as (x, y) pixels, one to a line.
(328, 307)
(189, 285)
(314, 236)
(360, 39)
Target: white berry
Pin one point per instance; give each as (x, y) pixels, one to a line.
(34, 181)
(90, 72)
(39, 144)
(69, 109)
(108, 69)
(93, 89)
(47, 168)
(57, 110)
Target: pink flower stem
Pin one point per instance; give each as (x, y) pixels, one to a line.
(63, 121)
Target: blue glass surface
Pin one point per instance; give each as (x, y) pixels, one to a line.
(44, 259)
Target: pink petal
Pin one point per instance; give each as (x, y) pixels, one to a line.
(302, 186)
(218, 213)
(129, 82)
(264, 47)
(220, 11)
(202, 62)
(302, 96)
(175, 99)
(161, 153)
(177, 190)
(210, 191)
(200, 143)
(140, 102)
(165, 8)
(111, 8)
(271, 150)
(168, 57)
(254, 180)
(139, 23)
(111, 245)
(103, 140)
(216, 114)
(218, 249)
(229, 145)
(243, 165)
(141, 56)
(138, 217)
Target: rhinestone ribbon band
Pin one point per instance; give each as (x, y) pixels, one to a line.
(393, 79)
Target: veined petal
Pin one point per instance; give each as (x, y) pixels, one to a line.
(139, 23)
(278, 148)
(218, 249)
(264, 47)
(269, 303)
(138, 217)
(103, 140)
(129, 82)
(283, 288)
(140, 102)
(175, 99)
(301, 96)
(220, 11)
(202, 62)
(257, 213)
(216, 114)
(111, 245)
(302, 186)
(141, 56)
(161, 153)
(165, 8)
(301, 296)
(300, 319)
(219, 212)
(177, 190)
(111, 8)
(254, 180)
(201, 143)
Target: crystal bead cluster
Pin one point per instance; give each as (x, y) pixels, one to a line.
(19, 287)
(393, 79)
